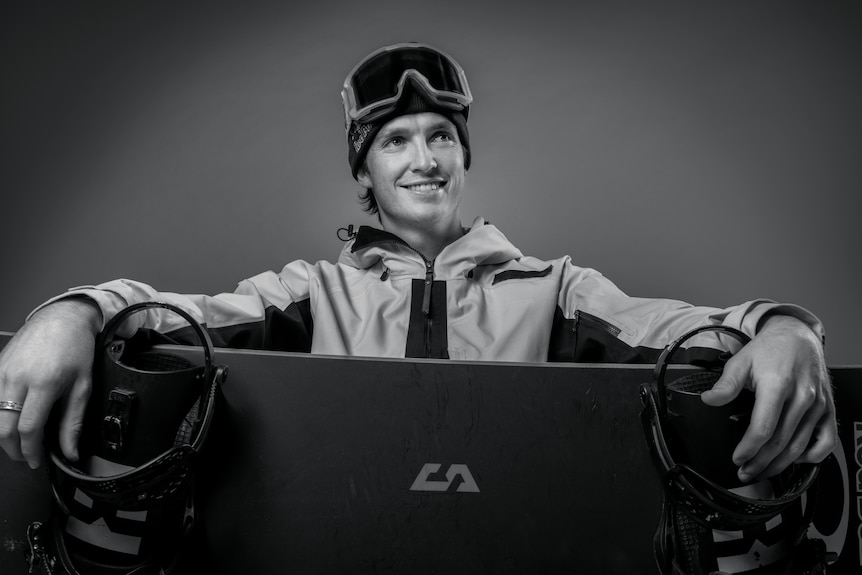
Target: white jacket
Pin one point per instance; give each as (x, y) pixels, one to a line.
(480, 299)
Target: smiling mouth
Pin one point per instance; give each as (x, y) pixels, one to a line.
(429, 187)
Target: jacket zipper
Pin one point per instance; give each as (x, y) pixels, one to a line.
(426, 292)
(426, 303)
(597, 322)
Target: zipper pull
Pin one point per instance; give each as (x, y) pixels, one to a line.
(429, 282)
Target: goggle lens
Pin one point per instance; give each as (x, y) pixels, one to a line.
(378, 79)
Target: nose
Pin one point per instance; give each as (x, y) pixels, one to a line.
(423, 158)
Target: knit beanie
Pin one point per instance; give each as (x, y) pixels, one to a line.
(360, 136)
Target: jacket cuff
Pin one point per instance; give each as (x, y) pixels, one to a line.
(753, 320)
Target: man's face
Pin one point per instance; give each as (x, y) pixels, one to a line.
(415, 165)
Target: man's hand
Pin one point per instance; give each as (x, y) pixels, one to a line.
(794, 415)
(49, 358)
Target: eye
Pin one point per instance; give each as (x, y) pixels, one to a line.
(394, 141)
(442, 137)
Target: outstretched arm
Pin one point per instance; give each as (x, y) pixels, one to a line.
(794, 413)
(49, 359)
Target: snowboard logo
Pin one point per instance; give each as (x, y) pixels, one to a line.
(424, 482)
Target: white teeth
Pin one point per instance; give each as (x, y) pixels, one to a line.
(424, 187)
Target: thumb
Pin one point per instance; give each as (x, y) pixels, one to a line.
(728, 386)
(72, 420)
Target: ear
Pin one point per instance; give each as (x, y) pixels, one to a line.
(363, 178)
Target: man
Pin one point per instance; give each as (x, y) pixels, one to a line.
(424, 286)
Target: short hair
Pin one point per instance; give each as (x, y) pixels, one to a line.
(369, 202)
(366, 197)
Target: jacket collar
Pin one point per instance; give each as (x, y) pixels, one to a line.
(483, 244)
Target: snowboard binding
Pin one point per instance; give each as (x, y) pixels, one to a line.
(128, 505)
(712, 523)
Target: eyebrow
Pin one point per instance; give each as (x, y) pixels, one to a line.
(390, 131)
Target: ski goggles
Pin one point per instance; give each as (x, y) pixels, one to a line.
(374, 87)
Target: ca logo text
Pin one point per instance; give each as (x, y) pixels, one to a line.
(422, 483)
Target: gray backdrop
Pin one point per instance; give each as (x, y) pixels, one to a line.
(708, 153)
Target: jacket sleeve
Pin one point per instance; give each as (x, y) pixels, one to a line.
(268, 311)
(597, 322)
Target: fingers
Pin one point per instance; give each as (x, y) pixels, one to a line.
(793, 418)
(823, 439)
(21, 432)
(778, 453)
(72, 421)
(49, 358)
(784, 420)
(728, 386)
(31, 425)
(9, 439)
(34, 417)
(30, 431)
(769, 405)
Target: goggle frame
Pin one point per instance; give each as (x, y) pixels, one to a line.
(457, 101)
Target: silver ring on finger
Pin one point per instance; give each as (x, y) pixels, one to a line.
(11, 406)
